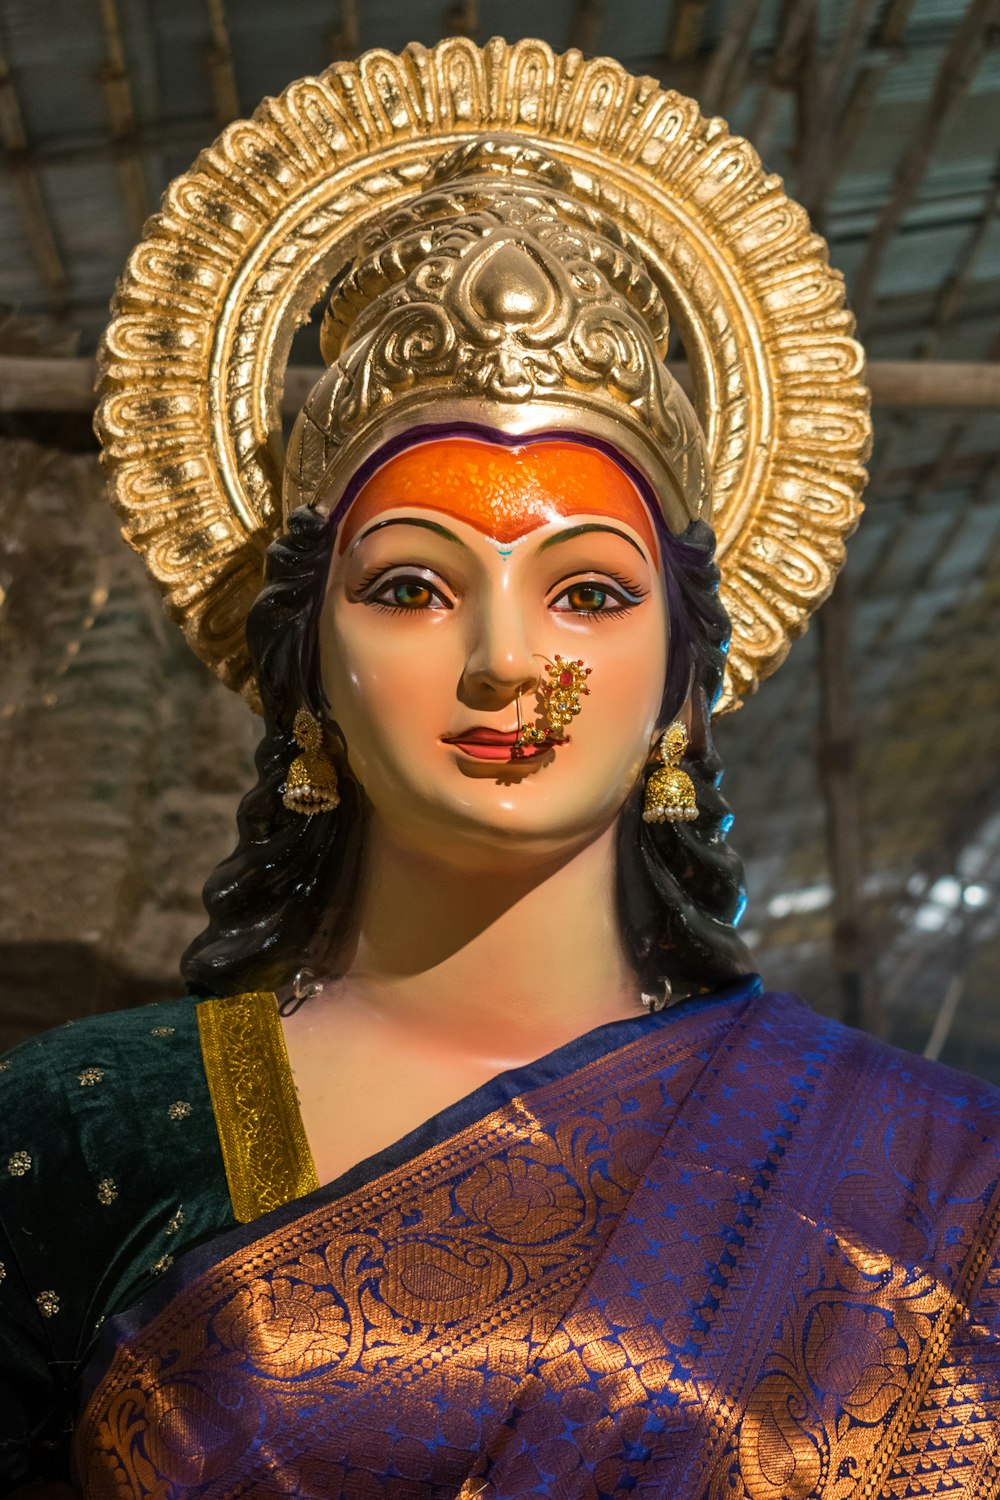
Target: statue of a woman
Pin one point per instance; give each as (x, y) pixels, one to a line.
(477, 1162)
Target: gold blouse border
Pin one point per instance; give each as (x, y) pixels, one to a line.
(264, 1146)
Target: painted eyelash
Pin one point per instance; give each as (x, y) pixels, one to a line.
(373, 577)
(385, 578)
(634, 592)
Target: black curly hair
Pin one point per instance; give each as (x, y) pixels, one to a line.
(680, 886)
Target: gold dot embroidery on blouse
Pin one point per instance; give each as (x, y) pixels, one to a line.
(49, 1303)
(163, 1264)
(107, 1190)
(3, 1271)
(175, 1222)
(90, 1076)
(4, 1067)
(162, 1030)
(19, 1164)
(179, 1110)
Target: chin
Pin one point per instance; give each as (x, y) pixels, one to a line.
(496, 831)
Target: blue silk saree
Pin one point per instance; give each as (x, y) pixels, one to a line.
(731, 1250)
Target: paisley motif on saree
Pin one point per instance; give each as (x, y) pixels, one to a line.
(750, 1254)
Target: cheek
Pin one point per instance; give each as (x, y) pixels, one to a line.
(382, 676)
(629, 690)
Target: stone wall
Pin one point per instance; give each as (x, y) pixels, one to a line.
(122, 760)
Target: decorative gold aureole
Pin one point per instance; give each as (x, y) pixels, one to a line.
(640, 204)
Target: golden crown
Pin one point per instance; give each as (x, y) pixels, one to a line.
(495, 296)
(505, 231)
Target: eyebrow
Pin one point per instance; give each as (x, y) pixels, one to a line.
(574, 531)
(449, 536)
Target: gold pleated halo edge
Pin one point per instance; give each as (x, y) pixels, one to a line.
(192, 364)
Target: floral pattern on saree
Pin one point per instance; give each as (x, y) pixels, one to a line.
(750, 1257)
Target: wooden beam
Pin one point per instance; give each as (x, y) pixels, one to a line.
(44, 384)
(945, 384)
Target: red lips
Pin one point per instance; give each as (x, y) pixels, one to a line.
(483, 743)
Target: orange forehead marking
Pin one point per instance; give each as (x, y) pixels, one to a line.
(503, 492)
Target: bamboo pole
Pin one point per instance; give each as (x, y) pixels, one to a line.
(953, 77)
(834, 82)
(117, 86)
(221, 68)
(796, 24)
(23, 168)
(847, 124)
(684, 34)
(725, 72)
(837, 755)
(587, 24)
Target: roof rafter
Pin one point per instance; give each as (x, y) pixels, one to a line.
(21, 164)
(117, 87)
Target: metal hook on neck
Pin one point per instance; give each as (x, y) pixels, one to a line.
(304, 986)
(654, 1002)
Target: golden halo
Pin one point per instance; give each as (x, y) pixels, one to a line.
(193, 361)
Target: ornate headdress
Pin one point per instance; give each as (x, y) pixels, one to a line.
(507, 234)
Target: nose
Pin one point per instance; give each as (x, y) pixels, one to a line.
(500, 660)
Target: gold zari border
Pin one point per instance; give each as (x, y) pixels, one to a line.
(264, 1146)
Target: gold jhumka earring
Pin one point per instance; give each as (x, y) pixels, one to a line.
(670, 795)
(560, 703)
(312, 777)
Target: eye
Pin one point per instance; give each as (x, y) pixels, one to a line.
(406, 593)
(585, 598)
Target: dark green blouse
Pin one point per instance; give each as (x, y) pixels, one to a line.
(110, 1168)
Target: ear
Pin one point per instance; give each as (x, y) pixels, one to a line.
(692, 715)
(689, 716)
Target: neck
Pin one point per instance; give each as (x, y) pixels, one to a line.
(503, 965)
